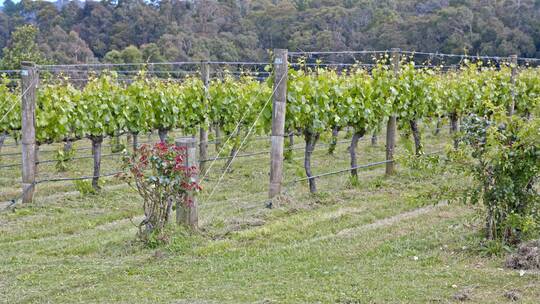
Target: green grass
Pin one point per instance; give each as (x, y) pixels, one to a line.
(347, 244)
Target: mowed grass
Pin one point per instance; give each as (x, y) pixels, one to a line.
(383, 240)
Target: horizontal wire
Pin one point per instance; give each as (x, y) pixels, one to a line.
(351, 168)
(45, 66)
(238, 63)
(14, 200)
(124, 71)
(10, 71)
(335, 52)
(466, 56)
(56, 160)
(61, 179)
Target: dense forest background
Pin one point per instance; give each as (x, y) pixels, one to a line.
(178, 30)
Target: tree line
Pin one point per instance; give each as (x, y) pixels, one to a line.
(177, 30)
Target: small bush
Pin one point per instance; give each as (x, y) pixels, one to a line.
(505, 167)
(62, 157)
(84, 187)
(161, 178)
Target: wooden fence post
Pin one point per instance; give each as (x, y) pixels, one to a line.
(513, 75)
(392, 122)
(203, 131)
(279, 103)
(186, 211)
(30, 78)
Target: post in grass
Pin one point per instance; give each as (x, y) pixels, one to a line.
(30, 78)
(203, 131)
(187, 213)
(279, 103)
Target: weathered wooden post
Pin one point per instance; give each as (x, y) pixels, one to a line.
(203, 131)
(30, 78)
(278, 121)
(513, 75)
(186, 211)
(391, 125)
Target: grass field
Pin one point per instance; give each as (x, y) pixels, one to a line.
(385, 240)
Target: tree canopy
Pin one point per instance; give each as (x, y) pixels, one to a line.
(176, 30)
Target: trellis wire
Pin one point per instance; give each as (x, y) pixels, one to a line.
(22, 95)
(9, 72)
(252, 63)
(228, 139)
(56, 160)
(94, 65)
(60, 179)
(335, 52)
(244, 140)
(351, 168)
(466, 56)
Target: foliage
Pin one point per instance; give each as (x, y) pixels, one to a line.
(234, 105)
(84, 187)
(506, 170)
(100, 112)
(10, 107)
(161, 177)
(56, 117)
(22, 47)
(233, 30)
(62, 157)
(527, 91)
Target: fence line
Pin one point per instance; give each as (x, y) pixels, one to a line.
(352, 168)
(245, 138)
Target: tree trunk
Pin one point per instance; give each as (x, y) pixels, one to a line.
(490, 225)
(234, 151)
(333, 142)
(454, 127)
(374, 138)
(128, 139)
(438, 127)
(217, 140)
(135, 143)
(162, 135)
(291, 139)
(168, 214)
(2, 139)
(288, 153)
(68, 145)
(391, 130)
(352, 151)
(311, 140)
(416, 135)
(116, 144)
(96, 152)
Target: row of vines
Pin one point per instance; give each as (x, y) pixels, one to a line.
(319, 100)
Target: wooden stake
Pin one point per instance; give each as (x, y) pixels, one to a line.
(203, 130)
(186, 211)
(30, 79)
(96, 153)
(514, 67)
(392, 122)
(278, 121)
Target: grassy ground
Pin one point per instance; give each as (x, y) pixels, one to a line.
(384, 240)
